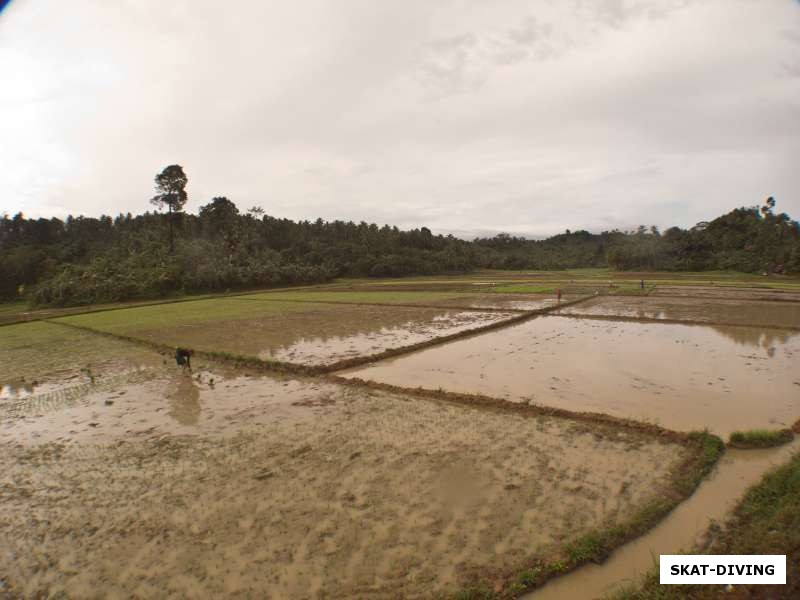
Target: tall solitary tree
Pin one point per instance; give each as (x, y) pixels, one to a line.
(171, 188)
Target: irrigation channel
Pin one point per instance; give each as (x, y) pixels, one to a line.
(679, 532)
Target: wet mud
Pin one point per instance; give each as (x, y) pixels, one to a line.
(682, 377)
(266, 487)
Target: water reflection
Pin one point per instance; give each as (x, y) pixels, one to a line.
(184, 400)
(346, 340)
(767, 339)
(15, 390)
(753, 324)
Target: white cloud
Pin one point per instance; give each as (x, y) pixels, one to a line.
(525, 116)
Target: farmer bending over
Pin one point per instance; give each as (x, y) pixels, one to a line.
(183, 358)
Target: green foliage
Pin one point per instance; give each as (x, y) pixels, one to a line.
(761, 438)
(88, 261)
(530, 577)
(751, 240)
(590, 547)
(477, 592)
(171, 188)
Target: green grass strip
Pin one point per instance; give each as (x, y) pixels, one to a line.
(760, 438)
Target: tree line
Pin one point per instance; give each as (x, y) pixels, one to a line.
(83, 260)
(752, 239)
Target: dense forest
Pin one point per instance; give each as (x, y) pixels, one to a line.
(84, 260)
(753, 240)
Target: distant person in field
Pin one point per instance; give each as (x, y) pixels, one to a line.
(641, 284)
(183, 357)
(558, 294)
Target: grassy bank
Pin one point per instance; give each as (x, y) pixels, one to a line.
(766, 521)
(596, 546)
(760, 438)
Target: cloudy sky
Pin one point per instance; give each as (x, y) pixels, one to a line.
(467, 116)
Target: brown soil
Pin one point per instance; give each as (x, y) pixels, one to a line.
(264, 487)
(679, 376)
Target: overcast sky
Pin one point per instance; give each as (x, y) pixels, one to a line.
(466, 116)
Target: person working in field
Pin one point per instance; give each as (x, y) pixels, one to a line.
(183, 357)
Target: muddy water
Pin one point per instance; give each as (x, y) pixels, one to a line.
(326, 350)
(704, 310)
(325, 337)
(682, 377)
(680, 531)
(16, 389)
(510, 301)
(149, 403)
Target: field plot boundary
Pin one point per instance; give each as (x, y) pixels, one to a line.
(348, 363)
(508, 406)
(392, 304)
(629, 319)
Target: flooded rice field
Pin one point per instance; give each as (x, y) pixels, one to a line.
(682, 377)
(227, 482)
(702, 310)
(263, 487)
(324, 337)
(725, 292)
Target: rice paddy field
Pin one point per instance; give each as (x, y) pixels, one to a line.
(434, 437)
